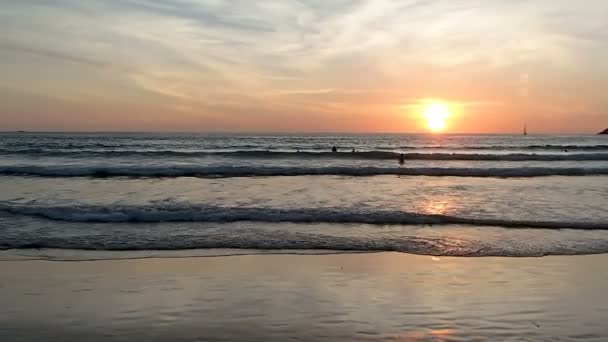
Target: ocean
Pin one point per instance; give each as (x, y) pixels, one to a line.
(117, 195)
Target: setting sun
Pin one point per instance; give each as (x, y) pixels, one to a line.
(436, 115)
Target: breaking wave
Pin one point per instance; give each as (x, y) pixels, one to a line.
(186, 149)
(362, 155)
(169, 212)
(266, 171)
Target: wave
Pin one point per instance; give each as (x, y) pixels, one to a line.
(118, 147)
(548, 147)
(69, 241)
(168, 212)
(191, 246)
(363, 155)
(169, 171)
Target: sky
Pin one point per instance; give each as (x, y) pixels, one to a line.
(303, 65)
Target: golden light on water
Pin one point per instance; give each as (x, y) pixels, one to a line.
(438, 335)
(436, 115)
(437, 206)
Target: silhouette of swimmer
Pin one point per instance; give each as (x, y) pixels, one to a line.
(401, 159)
(334, 149)
(354, 150)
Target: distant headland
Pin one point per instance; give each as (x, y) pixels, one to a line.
(604, 131)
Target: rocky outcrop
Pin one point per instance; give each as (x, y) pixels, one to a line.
(604, 131)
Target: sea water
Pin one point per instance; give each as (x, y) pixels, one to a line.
(96, 195)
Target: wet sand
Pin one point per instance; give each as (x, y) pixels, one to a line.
(368, 297)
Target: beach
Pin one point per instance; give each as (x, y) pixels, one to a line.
(303, 170)
(199, 237)
(367, 297)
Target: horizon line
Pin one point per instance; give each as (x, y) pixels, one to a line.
(230, 132)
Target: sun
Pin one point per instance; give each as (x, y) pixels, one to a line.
(436, 115)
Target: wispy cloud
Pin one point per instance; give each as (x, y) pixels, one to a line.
(302, 56)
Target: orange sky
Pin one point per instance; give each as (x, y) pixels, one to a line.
(309, 65)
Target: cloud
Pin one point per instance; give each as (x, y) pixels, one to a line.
(300, 54)
(56, 55)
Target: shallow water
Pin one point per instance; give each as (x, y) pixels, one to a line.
(371, 297)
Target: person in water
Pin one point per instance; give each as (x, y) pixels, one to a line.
(401, 159)
(354, 150)
(334, 149)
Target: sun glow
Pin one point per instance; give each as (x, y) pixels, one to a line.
(436, 115)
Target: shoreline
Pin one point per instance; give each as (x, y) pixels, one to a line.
(12, 255)
(77, 255)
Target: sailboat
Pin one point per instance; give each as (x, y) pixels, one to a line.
(525, 129)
